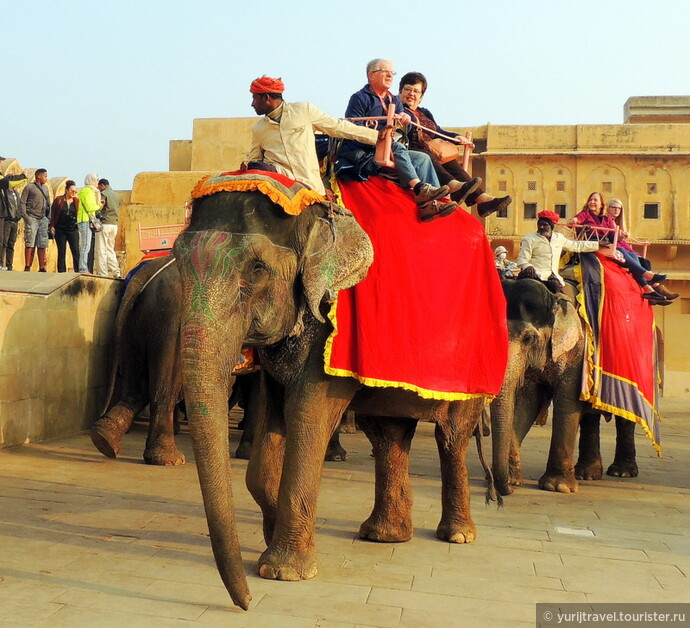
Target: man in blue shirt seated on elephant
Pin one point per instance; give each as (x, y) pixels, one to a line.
(414, 168)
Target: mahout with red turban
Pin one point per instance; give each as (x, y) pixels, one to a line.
(547, 214)
(267, 85)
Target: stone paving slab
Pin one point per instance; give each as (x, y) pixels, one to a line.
(87, 541)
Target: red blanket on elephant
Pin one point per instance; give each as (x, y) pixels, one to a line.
(620, 367)
(430, 315)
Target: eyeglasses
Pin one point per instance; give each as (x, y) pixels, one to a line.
(389, 72)
(412, 90)
(615, 207)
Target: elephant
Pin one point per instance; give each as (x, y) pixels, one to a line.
(251, 273)
(147, 355)
(545, 360)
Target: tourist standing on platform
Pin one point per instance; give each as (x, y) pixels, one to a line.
(105, 259)
(9, 216)
(34, 206)
(284, 137)
(89, 205)
(63, 225)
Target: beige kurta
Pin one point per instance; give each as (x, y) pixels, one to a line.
(288, 144)
(545, 255)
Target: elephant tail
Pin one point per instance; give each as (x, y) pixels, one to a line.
(491, 495)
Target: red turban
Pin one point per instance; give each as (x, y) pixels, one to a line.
(267, 85)
(547, 214)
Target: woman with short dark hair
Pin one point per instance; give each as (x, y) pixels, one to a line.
(412, 88)
(63, 225)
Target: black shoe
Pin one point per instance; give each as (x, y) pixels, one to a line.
(494, 205)
(654, 295)
(658, 278)
(467, 188)
(657, 302)
(42, 270)
(27, 269)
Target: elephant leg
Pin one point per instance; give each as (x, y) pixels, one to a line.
(312, 411)
(567, 409)
(264, 418)
(335, 452)
(165, 387)
(108, 431)
(348, 423)
(453, 434)
(247, 389)
(391, 517)
(529, 403)
(160, 442)
(589, 465)
(624, 463)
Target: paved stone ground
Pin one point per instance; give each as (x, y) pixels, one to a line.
(86, 541)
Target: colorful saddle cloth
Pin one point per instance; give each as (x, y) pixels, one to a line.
(291, 195)
(620, 371)
(431, 315)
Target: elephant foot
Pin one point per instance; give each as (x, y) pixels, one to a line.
(281, 566)
(163, 455)
(243, 450)
(558, 483)
(462, 532)
(589, 470)
(336, 453)
(106, 439)
(374, 529)
(623, 469)
(503, 488)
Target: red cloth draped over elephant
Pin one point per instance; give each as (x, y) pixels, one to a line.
(430, 316)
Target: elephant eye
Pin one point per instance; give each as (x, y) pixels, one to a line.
(257, 271)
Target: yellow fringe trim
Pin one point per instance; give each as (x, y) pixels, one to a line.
(382, 383)
(293, 206)
(592, 373)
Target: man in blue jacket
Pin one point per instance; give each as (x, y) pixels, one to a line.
(414, 168)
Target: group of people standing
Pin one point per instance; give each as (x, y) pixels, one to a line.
(72, 219)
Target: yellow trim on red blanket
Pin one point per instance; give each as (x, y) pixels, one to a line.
(382, 383)
(593, 372)
(293, 206)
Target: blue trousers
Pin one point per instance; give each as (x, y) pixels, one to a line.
(413, 164)
(632, 263)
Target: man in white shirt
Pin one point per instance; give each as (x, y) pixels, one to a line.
(284, 137)
(540, 252)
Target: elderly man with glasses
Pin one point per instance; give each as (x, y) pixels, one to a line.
(414, 168)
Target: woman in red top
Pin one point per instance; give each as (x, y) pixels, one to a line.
(593, 214)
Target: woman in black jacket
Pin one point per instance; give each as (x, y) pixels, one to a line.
(63, 225)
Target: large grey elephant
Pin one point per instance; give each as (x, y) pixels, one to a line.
(147, 357)
(252, 273)
(546, 352)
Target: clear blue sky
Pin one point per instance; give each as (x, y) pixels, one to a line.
(104, 86)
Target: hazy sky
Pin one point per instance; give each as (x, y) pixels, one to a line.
(104, 86)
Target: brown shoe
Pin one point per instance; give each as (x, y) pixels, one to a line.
(434, 209)
(428, 192)
(664, 291)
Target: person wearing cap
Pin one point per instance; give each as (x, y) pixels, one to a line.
(506, 269)
(284, 137)
(540, 252)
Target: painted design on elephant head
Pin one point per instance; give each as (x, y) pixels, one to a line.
(205, 266)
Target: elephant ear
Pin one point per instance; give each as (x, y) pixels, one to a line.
(567, 328)
(336, 255)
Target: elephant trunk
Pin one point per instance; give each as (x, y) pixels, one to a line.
(207, 358)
